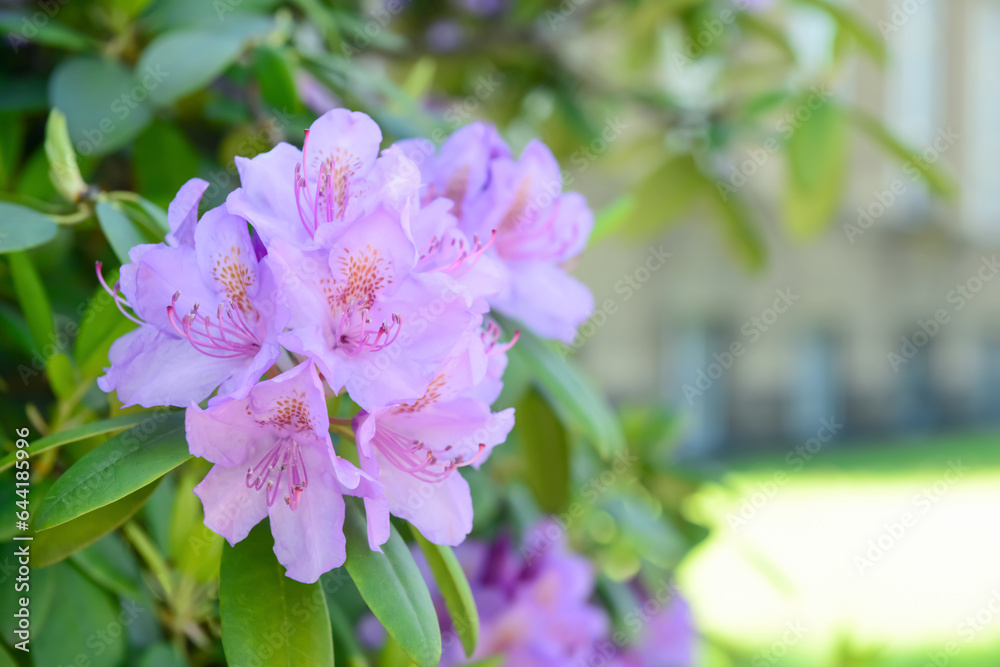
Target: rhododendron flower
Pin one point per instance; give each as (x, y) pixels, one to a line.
(209, 313)
(274, 457)
(369, 322)
(415, 450)
(534, 227)
(292, 195)
(534, 614)
(666, 639)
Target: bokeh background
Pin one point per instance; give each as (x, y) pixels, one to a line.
(797, 218)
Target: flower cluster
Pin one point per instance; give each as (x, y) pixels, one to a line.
(535, 609)
(340, 267)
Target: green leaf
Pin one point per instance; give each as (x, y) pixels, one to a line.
(268, 618)
(664, 196)
(35, 306)
(12, 131)
(81, 612)
(120, 231)
(194, 548)
(105, 106)
(493, 661)
(156, 214)
(22, 227)
(393, 589)
(454, 589)
(739, 228)
(5, 659)
(817, 169)
(20, 28)
(162, 655)
(939, 182)
(111, 564)
(578, 403)
(163, 161)
(123, 464)
(76, 434)
(544, 449)
(63, 169)
(55, 544)
(348, 650)
(188, 60)
(275, 74)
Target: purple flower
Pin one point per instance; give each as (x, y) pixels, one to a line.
(536, 612)
(291, 195)
(667, 639)
(273, 457)
(519, 205)
(415, 449)
(209, 312)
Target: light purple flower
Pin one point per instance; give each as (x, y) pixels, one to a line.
(291, 195)
(209, 312)
(274, 457)
(534, 227)
(415, 449)
(666, 639)
(536, 613)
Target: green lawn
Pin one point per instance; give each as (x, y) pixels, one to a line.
(790, 575)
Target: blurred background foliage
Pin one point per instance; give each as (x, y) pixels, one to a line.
(150, 93)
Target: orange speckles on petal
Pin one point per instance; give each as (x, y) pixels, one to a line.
(291, 412)
(432, 395)
(364, 274)
(235, 277)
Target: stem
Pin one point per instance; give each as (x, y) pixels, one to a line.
(144, 545)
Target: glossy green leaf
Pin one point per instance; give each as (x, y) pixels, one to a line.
(156, 213)
(817, 169)
(118, 467)
(187, 60)
(105, 105)
(63, 169)
(76, 434)
(454, 589)
(268, 618)
(544, 449)
(55, 544)
(120, 231)
(5, 659)
(664, 196)
(393, 589)
(80, 611)
(22, 228)
(578, 403)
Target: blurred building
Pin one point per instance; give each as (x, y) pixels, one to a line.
(889, 323)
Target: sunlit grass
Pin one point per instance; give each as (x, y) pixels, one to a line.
(803, 556)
